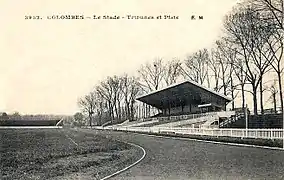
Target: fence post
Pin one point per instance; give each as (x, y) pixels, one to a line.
(246, 117)
(231, 132)
(256, 133)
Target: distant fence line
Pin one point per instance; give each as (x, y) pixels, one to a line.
(31, 127)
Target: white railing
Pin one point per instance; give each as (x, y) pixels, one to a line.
(231, 120)
(141, 123)
(226, 113)
(247, 133)
(182, 117)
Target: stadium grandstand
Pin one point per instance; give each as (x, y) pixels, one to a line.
(185, 104)
(185, 98)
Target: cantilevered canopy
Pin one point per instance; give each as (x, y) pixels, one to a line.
(181, 94)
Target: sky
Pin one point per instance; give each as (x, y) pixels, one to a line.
(46, 65)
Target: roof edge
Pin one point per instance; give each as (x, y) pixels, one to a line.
(187, 81)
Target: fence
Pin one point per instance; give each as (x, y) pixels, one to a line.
(181, 117)
(231, 120)
(243, 133)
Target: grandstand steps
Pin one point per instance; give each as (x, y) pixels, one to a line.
(210, 121)
(204, 120)
(143, 123)
(194, 125)
(172, 119)
(186, 122)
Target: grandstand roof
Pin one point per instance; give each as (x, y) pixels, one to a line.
(187, 92)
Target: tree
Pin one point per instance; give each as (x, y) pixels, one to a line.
(88, 105)
(273, 91)
(105, 90)
(272, 16)
(135, 90)
(100, 108)
(4, 116)
(213, 67)
(225, 57)
(240, 72)
(272, 10)
(276, 46)
(152, 74)
(79, 119)
(196, 66)
(246, 30)
(172, 71)
(115, 83)
(111, 91)
(126, 89)
(16, 115)
(131, 89)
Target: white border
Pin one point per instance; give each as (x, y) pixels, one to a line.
(128, 167)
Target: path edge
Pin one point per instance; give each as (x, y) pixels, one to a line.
(213, 142)
(131, 165)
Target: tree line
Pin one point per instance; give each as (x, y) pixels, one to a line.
(250, 48)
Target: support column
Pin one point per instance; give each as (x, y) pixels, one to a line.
(169, 109)
(144, 114)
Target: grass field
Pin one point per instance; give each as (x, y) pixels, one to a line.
(61, 154)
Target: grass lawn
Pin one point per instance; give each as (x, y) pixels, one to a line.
(61, 154)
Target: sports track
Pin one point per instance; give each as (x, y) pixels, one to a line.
(174, 159)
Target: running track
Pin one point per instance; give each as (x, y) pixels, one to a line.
(172, 159)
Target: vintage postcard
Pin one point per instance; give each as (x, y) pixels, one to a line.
(141, 90)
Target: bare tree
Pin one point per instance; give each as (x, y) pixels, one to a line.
(240, 72)
(126, 82)
(276, 47)
(117, 92)
(196, 66)
(106, 91)
(151, 74)
(100, 107)
(220, 64)
(226, 56)
(272, 10)
(88, 105)
(273, 91)
(115, 84)
(131, 89)
(213, 67)
(172, 71)
(135, 90)
(247, 31)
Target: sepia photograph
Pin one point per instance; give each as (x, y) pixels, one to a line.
(141, 90)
